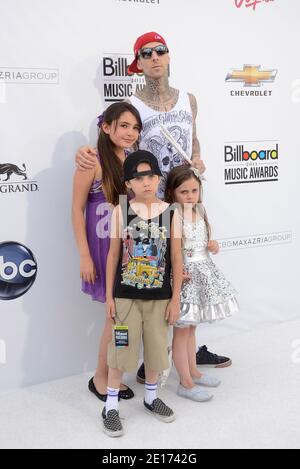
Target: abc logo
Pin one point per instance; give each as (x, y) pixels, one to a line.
(18, 270)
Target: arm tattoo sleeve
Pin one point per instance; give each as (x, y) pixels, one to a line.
(196, 152)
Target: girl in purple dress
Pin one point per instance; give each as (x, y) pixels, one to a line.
(95, 193)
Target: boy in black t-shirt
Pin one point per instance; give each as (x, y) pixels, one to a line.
(145, 247)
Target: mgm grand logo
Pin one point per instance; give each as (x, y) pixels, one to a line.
(14, 179)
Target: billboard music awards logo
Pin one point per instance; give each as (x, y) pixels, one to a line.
(13, 179)
(25, 76)
(18, 270)
(251, 76)
(118, 84)
(250, 3)
(251, 162)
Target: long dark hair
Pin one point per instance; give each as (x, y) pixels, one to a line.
(112, 168)
(178, 176)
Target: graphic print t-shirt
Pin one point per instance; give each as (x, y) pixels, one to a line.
(179, 122)
(144, 268)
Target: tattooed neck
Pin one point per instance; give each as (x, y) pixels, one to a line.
(158, 94)
(157, 90)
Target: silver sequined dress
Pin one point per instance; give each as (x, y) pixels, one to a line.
(208, 296)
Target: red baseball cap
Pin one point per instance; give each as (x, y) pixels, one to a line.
(139, 43)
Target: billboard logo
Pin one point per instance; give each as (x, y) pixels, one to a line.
(234, 154)
(251, 162)
(18, 270)
(118, 83)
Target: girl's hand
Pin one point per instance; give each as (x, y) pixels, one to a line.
(111, 309)
(213, 247)
(172, 312)
(86, 158)
(185, 277)
(88, 270)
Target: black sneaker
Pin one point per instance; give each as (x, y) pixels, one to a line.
(140, 376)
(160, 410)
(112, 425)
(206, 358)
(163, 377)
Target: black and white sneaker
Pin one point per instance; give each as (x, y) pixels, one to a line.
(160, 410)
(205, 358)
(112, 425)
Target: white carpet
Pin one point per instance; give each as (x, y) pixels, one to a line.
(257, 405)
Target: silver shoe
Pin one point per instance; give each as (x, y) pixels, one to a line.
(209, 381)
(195, 394)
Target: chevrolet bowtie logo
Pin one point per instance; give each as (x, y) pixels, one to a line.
(252, 75)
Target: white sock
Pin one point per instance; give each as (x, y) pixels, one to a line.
(112, 401)
(150, 392)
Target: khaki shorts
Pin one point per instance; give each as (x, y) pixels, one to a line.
(144, 319)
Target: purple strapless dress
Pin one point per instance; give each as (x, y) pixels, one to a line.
(98, 222)
(98, 215)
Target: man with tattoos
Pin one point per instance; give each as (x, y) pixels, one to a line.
(158, 103)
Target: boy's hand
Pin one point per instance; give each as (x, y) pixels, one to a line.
(213, 247)
(172, 312)
(86, 158)
(111, 309)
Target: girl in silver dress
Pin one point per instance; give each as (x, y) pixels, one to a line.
(206, 295)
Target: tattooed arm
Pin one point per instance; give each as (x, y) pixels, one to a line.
(196, 153)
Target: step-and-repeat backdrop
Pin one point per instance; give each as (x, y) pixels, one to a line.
(61, 63)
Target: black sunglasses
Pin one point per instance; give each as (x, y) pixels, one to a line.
(147, 52)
